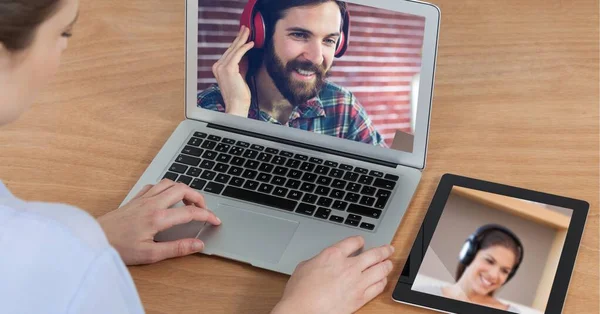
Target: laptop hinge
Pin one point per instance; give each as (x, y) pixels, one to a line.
(304, 145)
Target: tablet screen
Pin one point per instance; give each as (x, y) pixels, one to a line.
(494, 250)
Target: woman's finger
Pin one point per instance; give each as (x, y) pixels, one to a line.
(160, 187)
(181, 215)
(376, 273)
(350, 245)
(179, 192)
(373, 256)
(143, 191)
(375, 290)
(164, 250)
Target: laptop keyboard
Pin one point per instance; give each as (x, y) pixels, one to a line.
(297, 183)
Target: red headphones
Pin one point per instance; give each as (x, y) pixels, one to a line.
(252, 19)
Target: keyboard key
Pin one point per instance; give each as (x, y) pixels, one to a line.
(171, 176)
(250, 154)
(368, 190)
(209, 144)
(222, 147)
(336, 218)
(222, 178)
(339, 205)
(309, 198)
(294, 174)
(178, 168)
(224, 158)
(194, 172)
(353, 187)
(295, 195)
(323, 213)
(257, 147)
(265, 188)
(249, 174)
(272, 150)
(331, 164)
(377, 174)
(286, 154)
(307, 187)
(365, 179)
(381, 202)
(252, 164)
(194, 141)
(207, 164)
(214, 138)
(264, 177)
(184, 179)
(338, 184)
(346, 167)
(200, 134)
(324, 201)
(236, 181)
(279, 191)
(354, 217)
(221, 167)
(384, 184)
(339, 194)
(352, 222)
(316, 160)
(210, 155)
(208, 175)
(352, 197)
(361, 170)
(351, 176)
(228, 141)
(293, 184)
(238, 161)
(367, 226)
(322, 170)
(242, 144)
(278, 160)
(383, 193)
(264, 167)
(293, 163)
(277, 180)
(301, 157)
(198, 184)
(322, 190)
(336, 173)
(213, 187)
(324, 180)
(281, 171)
(367, 200)
(391, 177)
(188, 160)
(251, 185)
(190, 150)
(236, 151)
(260, 198)
(264, 157)
(309, 177)
(307, 166)
(306, 209)
(364, 211)
(235, 171)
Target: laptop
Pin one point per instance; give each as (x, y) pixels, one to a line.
(347, 161)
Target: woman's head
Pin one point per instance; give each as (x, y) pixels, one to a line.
(33, 35)
(494, 263)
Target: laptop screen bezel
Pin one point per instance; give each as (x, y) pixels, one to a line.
(416, 159)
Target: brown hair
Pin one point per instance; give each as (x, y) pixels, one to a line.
(19, 20)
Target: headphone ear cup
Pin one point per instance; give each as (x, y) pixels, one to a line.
(340, 45)
(258, 32)
(467, 253)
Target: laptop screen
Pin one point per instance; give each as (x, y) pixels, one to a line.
(342, 69)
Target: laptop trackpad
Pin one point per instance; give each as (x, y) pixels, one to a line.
(247, 236)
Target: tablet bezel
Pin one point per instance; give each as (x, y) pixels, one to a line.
(403, 292)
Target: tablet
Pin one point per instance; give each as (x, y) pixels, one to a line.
(491, 248)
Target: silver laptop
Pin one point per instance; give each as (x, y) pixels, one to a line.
(346, 162)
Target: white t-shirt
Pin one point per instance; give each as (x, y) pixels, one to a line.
(55, 258)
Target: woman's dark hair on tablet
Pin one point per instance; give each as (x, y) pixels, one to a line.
(19, 20)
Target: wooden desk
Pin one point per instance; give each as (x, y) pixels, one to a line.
(516, 101)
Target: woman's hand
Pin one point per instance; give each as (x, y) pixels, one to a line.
(131, 228)
(333, 282)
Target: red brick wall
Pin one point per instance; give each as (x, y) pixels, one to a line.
(383, 56)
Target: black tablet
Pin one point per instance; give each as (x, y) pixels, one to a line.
(491, 248)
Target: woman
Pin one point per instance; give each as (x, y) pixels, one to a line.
(489, 258)
(56, 258)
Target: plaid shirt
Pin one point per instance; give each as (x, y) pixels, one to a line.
(335, 112)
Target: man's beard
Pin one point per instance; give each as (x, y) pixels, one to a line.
(295, 91)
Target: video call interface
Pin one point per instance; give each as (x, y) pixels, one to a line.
(368, 94)
(485, 251)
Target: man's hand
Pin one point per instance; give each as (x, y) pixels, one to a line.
(131, 228)
(230, 71)
(333, 282)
